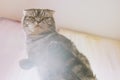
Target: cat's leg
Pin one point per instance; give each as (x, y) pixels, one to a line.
(26, 64)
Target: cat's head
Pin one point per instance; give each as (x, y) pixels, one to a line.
(38, 21)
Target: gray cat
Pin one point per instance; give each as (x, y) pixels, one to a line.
(55, 56)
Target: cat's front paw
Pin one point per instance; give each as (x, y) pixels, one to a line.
(26, 64)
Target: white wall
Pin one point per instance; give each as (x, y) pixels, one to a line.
(100, 17)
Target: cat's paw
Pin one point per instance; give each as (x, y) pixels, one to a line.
(26, 64)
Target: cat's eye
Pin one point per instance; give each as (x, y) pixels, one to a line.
(43, 19)
(31, 18)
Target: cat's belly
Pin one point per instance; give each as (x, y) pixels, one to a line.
(51, 62)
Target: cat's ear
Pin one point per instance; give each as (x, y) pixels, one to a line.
(28, 12)
(51, 12)
(25, 12)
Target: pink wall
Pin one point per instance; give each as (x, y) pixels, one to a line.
(11, 45)
(12, 49)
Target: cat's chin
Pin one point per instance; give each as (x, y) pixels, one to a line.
(26, 64)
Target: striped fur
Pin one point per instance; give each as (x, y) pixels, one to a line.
(55, 56)
(37, 21)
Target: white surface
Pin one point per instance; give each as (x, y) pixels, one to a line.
(104, 54)
(99, 17)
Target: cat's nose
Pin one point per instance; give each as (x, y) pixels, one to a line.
(37, 20)
(38, 26)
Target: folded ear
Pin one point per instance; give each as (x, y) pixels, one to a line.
(26, 64)
(24, 12)
(28, 12)
(51, 11)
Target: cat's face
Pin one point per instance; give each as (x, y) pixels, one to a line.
(38, 21)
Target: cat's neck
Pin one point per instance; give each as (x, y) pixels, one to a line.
(31, 38)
